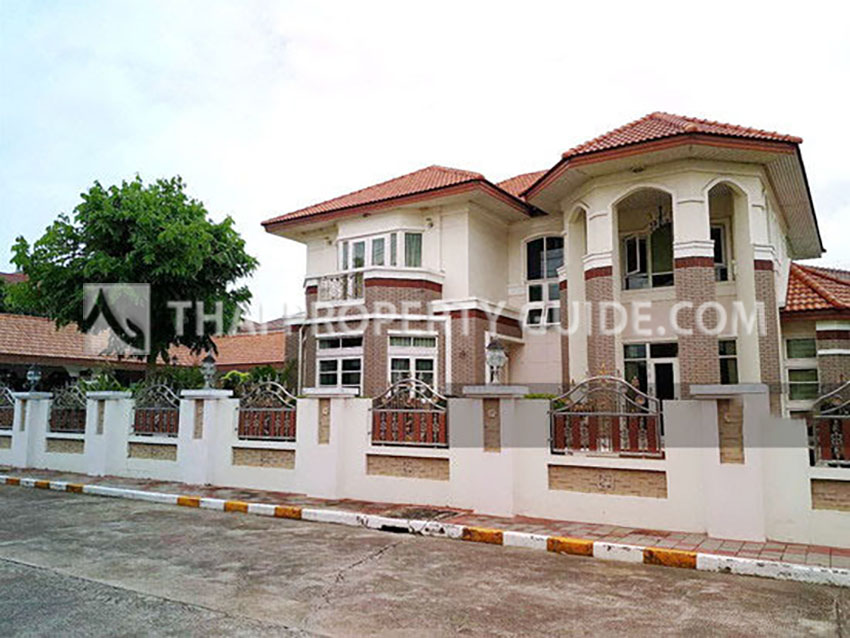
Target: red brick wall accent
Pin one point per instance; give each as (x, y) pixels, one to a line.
(601, 353)
(412, 296)
(833, 369)
(468, 359)
(769, 358)
(698, 358)
(565, 337)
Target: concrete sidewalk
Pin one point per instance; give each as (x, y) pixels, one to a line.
(815, 555)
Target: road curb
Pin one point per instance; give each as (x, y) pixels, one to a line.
(555, 544)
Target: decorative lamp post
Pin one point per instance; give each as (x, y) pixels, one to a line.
(497, 357)
(33, 377)
(208, 370)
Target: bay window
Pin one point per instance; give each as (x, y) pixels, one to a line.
(413, 356)
(381, 250)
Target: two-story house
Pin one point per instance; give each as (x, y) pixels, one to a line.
(661, 251)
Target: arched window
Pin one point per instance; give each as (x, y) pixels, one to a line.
(543, 257)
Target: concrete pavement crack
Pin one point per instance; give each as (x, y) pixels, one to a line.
(175, 601)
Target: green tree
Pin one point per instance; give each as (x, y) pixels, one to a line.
(138, 233)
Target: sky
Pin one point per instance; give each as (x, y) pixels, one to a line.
(266, 107)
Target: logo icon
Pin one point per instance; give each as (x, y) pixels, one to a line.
(116, 319)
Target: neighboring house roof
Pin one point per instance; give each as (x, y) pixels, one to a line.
(241, 351)
(249, 326)
(659, 125)
(817, 289)
(13, 277)
(517, 184)
(26, 339)
(433, 180)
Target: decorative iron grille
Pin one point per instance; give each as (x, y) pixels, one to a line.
(267, 413)
(157, 411)
(829, 425)
(606, 415)
(410, 412)
(7, 408)
(68, 410)
(341, 287)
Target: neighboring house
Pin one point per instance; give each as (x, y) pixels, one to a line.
(666, 209)
(61, 353)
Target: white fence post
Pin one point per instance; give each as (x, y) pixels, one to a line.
(206, 421)
(107, 432)
(32, 409)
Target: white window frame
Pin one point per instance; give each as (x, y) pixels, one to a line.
(723, 225)
(650, 368)
(546, 303)
(338, 355)
(733, 357)
(412, 353)
(807, 363)
(646, 235)
(394, 249)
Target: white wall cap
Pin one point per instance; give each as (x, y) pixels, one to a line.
(717, 390)
(495, 391)
(598, 260)
(206, 393)
(101, 395)
(330, 393)
(31, 396)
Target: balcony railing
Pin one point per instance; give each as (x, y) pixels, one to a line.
(341, 287)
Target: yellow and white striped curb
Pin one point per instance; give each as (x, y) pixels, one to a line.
(555, 544)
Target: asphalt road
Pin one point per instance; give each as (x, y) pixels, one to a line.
(81, 565)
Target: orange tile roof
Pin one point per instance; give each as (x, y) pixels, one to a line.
(659, 125)
(424, 180)
(26, 337)
(517, 184)
(13, 277)
(241, 351)
(37, 338)
(812, 288)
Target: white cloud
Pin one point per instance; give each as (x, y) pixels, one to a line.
(267, 107)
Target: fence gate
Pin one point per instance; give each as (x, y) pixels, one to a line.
(606, 415)
(68, 410)
(410, 412)
(7, 408)
(267, 412)
(156, 411)
(830, 428)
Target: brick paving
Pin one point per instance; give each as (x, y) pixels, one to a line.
(771, 550)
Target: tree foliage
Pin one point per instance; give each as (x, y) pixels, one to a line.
(138, 233)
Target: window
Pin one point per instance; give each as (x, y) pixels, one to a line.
(801, 348)
(721, 265)
(381, 250)
(648, 259)
(328, 343)
(543, 258)
(423, 369)
(340, 372)
(404, 341)
(358, 254)
(413, 356)
(728, 361)
(651, 365)
(413, 250)
(378, 251)
(339, 361)
(803, 384)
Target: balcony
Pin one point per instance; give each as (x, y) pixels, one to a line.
(344, 286)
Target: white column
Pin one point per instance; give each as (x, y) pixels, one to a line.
(206, 417)
(32, 409)
(107, 432)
